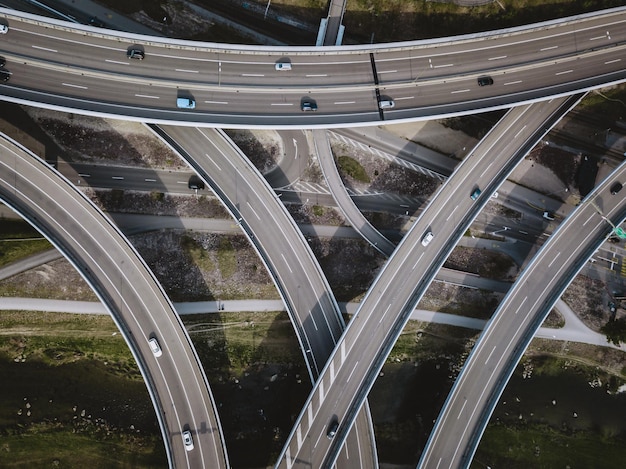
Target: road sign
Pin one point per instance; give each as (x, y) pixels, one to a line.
(620, 232)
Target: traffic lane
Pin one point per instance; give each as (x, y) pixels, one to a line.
(123, 268)
(318, 342)
(540, 280)
(388, 293)
(514, 317)
(347, 65)
(307, 294)
(163, 92)
(130, 276)
(304, 119)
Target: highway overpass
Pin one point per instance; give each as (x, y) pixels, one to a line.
(78, 68)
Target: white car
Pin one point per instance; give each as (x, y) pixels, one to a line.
(386, 104)
(155, 347)
(283, 66)
(428, 237)
(4, 29)
(188, 440)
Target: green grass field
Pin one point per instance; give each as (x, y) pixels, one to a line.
(19, 240)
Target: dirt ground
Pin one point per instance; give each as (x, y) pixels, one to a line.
(105, 141)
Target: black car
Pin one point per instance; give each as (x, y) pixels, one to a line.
(3, 61)
(135, 54)
(5, 75)
(308, 105)
(615, 188)
(332, 429)
(195, 183)
(485, 81)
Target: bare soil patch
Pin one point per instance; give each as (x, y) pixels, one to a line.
(157, 203)
(562, 163)
(105, 141)
(588, 298)
(489, 264)
(383, 175)
(349, 265)
(264, 148)
(453, 299)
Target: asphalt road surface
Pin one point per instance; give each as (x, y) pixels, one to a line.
(136, 301)
(78, 67)
(355, 363)
(495, 355)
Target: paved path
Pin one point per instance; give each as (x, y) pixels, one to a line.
(574, 330)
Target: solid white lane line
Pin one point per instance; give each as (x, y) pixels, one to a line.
(284, 259)
(256, 215)
(211, 160)
(44, 48)
(452, 213)
(555, 258)
(462, 407)
(316, 75)
(353, 370)
(75, 86)
(590, 217)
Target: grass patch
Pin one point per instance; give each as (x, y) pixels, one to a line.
(72, 395)
(47, 445)
(540, 446)
(227, 258)
(352, 168)
(197, 253)
(16, 241)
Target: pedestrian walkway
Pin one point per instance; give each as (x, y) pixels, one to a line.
(573, 331)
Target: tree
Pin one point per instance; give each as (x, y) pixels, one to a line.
(615, 331)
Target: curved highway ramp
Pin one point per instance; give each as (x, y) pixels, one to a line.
(145, 316)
